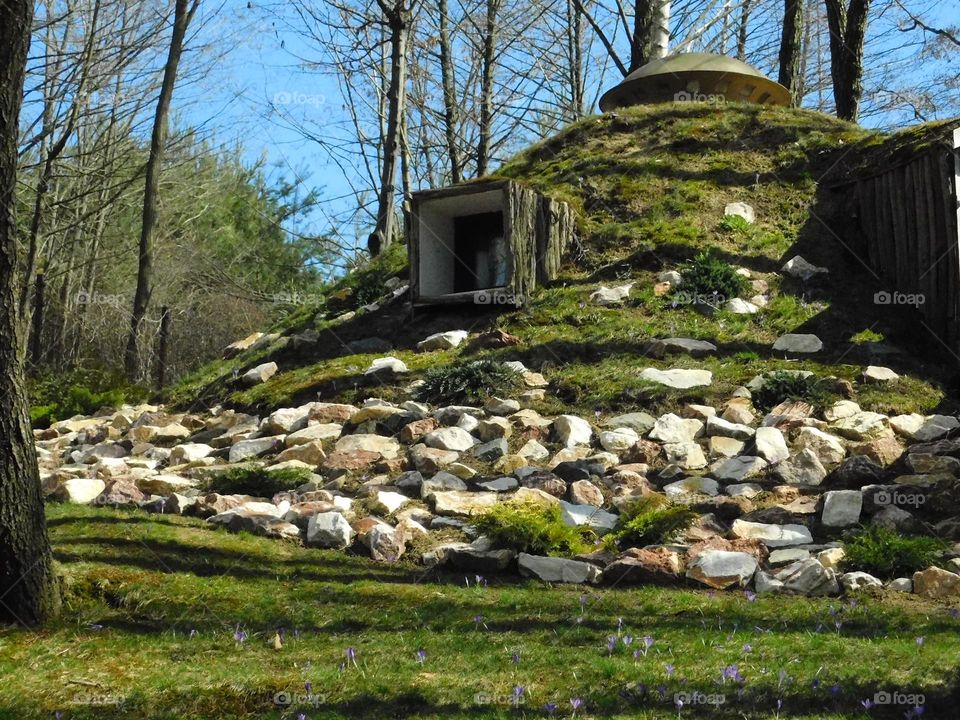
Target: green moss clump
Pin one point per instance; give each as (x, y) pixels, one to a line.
(887, 554)
(534, 529)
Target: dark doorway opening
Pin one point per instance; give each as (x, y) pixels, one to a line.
(480, 253)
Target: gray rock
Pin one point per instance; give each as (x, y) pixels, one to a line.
(503, 484)
(841, 508)
(640, 422)
(798, 343)
(259, 374)
(854, 581)
(771, 445)
(672, 428)
(441, 482)
(329, 530)
(246, 449)
(721, 569)
(594, 517)
(692, 486)
(808, 577)
(492, 450)
(670, 346)
(738, 469)
(557, 570)
(799, 268)
(725, 428)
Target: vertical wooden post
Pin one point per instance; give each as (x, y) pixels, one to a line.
(164, 344)
(36, 338)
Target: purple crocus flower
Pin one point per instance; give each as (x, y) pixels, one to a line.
(678, 702)
(611, 643)
(751, 596)
(550, 708)
(920, 641)
(867, 704)
(576, 703)
(308, 686)
(731, 672)
(193, 634)
(627, 640)
(518, 691)
(351, 656)
(239, 635)
(954, 613)
(301, 716)
(669, 668)
(421, 656)
(515, 658)
(747, 647)
(583, 600)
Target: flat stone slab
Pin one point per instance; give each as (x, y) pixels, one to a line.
(798, 343)
(772, 535)
(557, 570)
(678, 378)
(670, 346)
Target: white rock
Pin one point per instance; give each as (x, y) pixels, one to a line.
(841, 508)
(853, 581)
(722, 569)
(901, 585)
(450, 438)
(245, 449)
(772, 535)
(879, 374)
(688, 455)
(386, 446)
(672, 428)
(532, 450)
(619, 440)
(840, 410)
(329, 530)
(799, 268)
(442, 341)
(741, 210)
(692, 486)
(387, 502)
(462, 503)
(829, 449)
(771, 445)
(260, 374)
(387, 364)
(80, 490)
(798, 343)
(572, 430)
(862, 426)
(189, 452)
(611, 296)
(313, 433)
(739, 306)
(679, 379)
(725, 428)
(804, 468)
(596, 518)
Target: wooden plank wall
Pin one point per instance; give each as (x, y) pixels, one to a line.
(555, 233)
(909, 219)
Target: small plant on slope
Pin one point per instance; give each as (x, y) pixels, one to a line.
(711, 279)
(888, 554)
(531, 528)
(651, 520)
(783, 386)
(257, 481)
(468, 382)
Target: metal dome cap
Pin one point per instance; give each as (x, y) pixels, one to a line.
(695, 77)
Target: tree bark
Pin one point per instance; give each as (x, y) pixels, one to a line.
(141, 298)
(791, 50)
(742, 32)
(398, 19)
(28, 590)
(486, 88)
(848, 29)
(645, 16)
(448, 82)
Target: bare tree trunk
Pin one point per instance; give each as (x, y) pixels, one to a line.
(575, 52)
(791, 50)
(848, 29)
(448, 82)
(645, 15)
(486, 87)
(28, 591)
(398, 20)
(742, 34)
(141, 299)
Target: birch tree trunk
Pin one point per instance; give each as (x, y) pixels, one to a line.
(486, 87)
(28, 591)
(141, 298)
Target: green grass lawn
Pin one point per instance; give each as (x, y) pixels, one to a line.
(155, 607)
